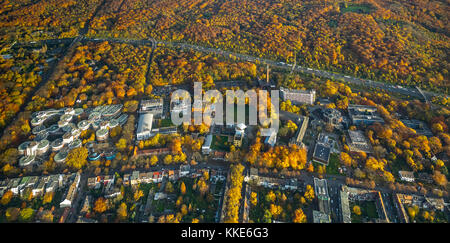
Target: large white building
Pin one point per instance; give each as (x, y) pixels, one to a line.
(298, 96)
(145, 126)
(206, 147)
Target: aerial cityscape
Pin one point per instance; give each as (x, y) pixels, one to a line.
(92, 93)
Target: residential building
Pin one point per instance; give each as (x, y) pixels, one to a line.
(321, 191)
(71, 193)
(134, 179)
(320, 217)
(345, 205)
(406, 175)
(185, 170)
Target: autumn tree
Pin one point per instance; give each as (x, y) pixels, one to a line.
(357, 210)
(439, 178)
(254, 198)
(122, 211)
(309, 193)
(100, 205)
(26, 214)
(182, 188)
(6, 198)
(299, 216)
(77, 158)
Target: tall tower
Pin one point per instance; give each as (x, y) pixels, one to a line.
(267, 75)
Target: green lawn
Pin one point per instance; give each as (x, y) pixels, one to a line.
(220, 143)
(166, 122)
(333, 165)
(368, 211)
(363, 8)
(397, 165)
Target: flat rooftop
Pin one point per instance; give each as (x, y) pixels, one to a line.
(322, 153)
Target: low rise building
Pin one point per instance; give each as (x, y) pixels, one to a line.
(239, 134)
(301, 130)
(364, 115)
(320, 217)
(206, 147)
(321, 153)
(406, 176)
(298, 96)
(345, 205)
(71, 193)
(321, 191)
(357, 142)
(153, 106)
(144, 126)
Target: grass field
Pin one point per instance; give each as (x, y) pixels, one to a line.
(363, 8)
(368, 211)
(220, 143)
(333, 165)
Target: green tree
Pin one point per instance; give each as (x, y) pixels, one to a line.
(26, 214)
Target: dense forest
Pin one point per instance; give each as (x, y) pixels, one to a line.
(400, 42)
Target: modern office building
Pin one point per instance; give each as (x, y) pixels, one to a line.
(144, 126)
(206, 147)
(298, 96)
(153, 106)
(364, 115)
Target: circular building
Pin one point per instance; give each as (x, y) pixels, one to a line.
(96, 125)
(32, 148)
(104, 125)
(53, 128)
(26, 160)
(83, 125)
(66, 129)
(66, 117)
(41, 136)
(94, 116)
(43, 147)
(75, 144)
(57, 144)
(113, 123)
(78, 111)
(37, 121)
(102, 134)
(23, 147)
(38, 129)
(94, 156)
(60, 156)
(62, 123)
(76, 133)
(110, 154)
(69, 111)
(67, 138)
